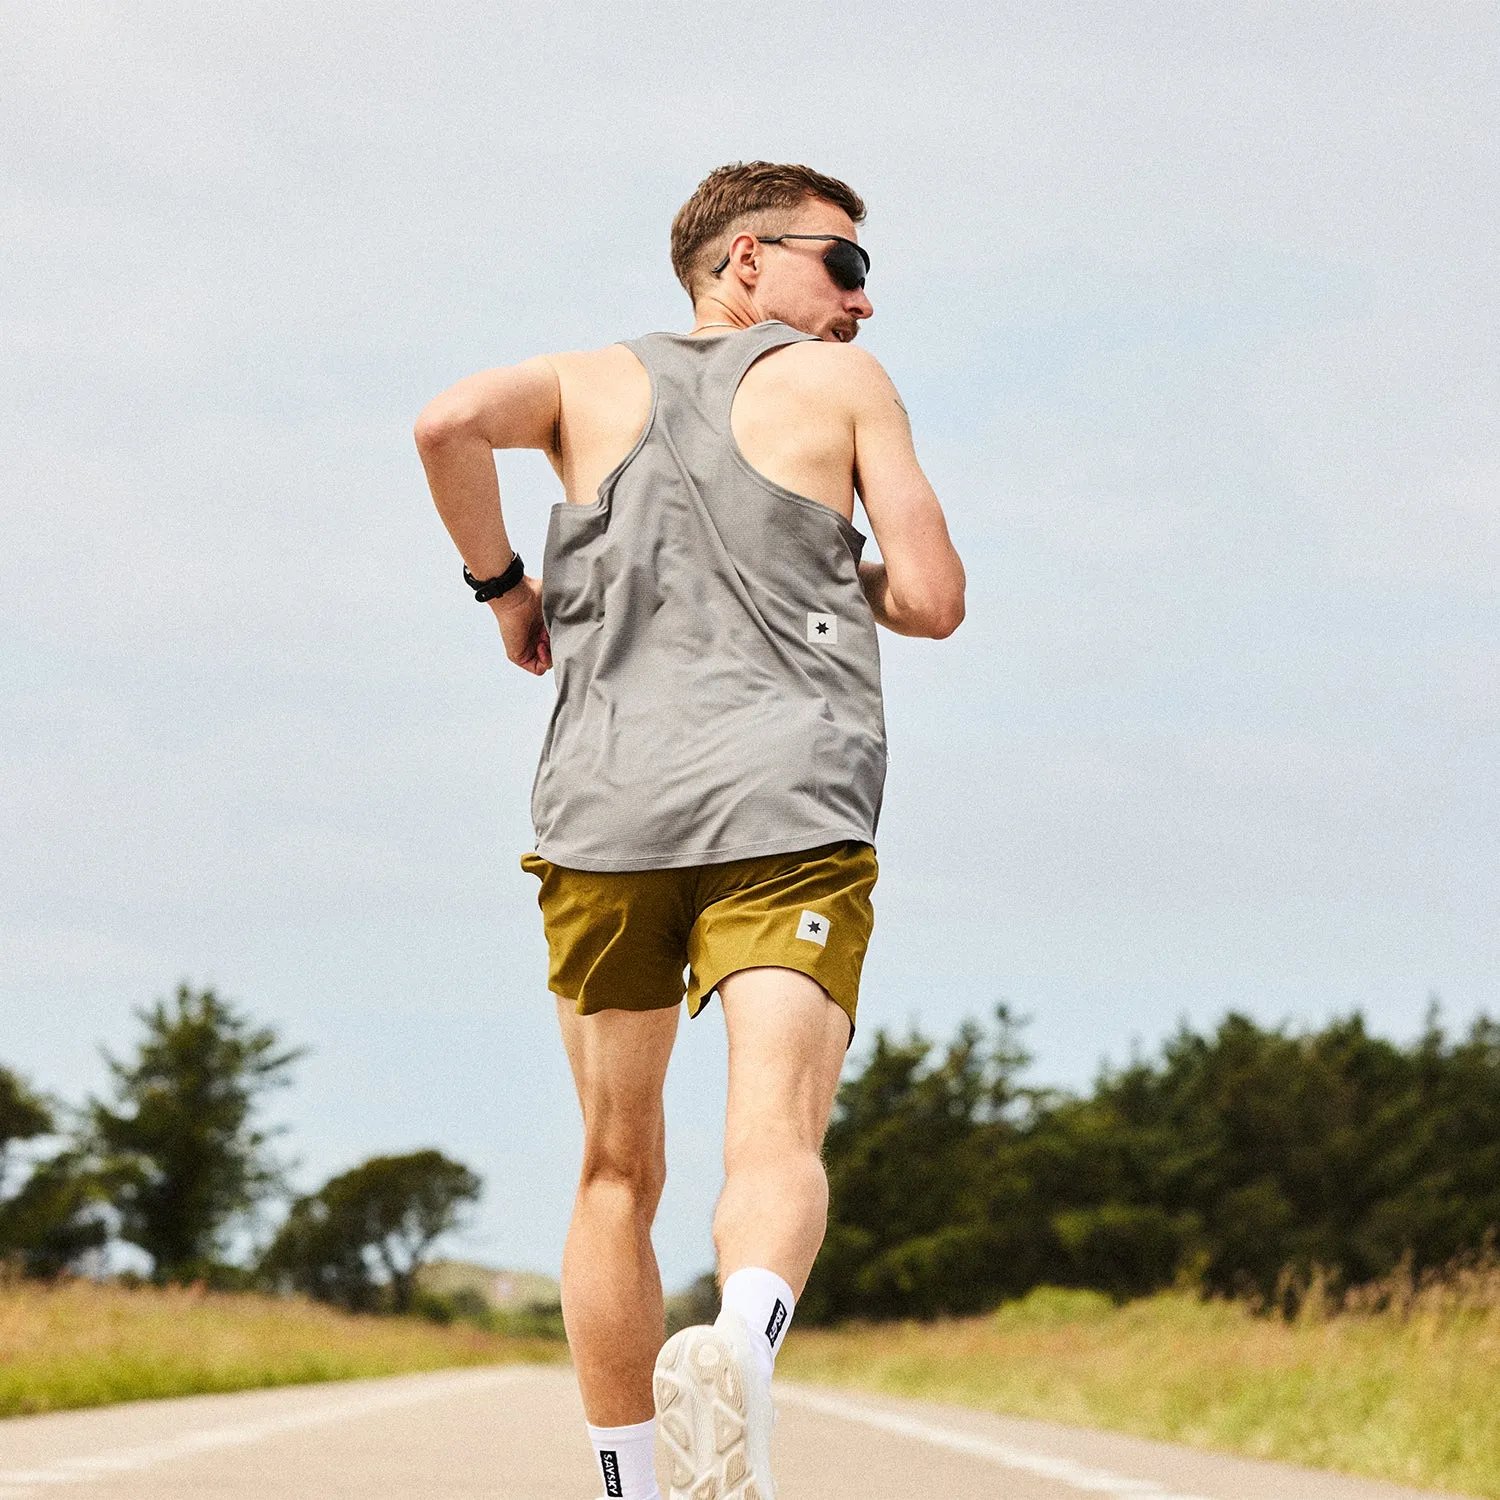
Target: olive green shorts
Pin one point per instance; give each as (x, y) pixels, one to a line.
(621, 939)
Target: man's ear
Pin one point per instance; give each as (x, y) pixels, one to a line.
(744, 257)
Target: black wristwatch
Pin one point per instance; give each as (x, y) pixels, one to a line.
(492, 588)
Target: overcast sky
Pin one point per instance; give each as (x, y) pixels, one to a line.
(1195, 311)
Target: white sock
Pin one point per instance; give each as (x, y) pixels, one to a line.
(766, 1304)
(627, 1460)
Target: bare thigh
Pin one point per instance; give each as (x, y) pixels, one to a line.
(619, 1061)
(787, 1042)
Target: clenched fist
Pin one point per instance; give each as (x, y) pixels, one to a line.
(519, 614)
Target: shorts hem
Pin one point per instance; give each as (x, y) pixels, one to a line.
(582, 1008)
(707, 989)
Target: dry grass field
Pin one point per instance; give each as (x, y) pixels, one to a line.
(81, 1344)
(1402, 1384)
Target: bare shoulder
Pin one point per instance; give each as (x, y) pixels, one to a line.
(844, 373)
(593, 364)
(604, 397)
(601, 387)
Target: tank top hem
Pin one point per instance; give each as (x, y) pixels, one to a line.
(684, 858)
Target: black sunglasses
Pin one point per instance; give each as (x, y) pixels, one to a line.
(847, 262)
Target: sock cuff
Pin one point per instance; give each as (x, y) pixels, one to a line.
(766, 1304)
(763, 1281)
(626, 1458)
(633, 1433)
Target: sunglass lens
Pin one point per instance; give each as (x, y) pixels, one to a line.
(847, 263)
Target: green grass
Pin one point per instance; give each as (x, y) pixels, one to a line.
(82, 1344)
(1403, 1385)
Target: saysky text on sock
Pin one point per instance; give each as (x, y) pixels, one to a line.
(766, 1304)
(627, 1460)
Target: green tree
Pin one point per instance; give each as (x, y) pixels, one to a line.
(24, 1115)
(1231, 1158)
(921, 1219)
(184, 1156)
(318, 1253)
(53, 1217)
(1330, 1148)
(364, 1235)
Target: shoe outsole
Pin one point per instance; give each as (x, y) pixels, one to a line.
(700, 1411)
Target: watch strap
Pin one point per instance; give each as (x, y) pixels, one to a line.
(491, 588)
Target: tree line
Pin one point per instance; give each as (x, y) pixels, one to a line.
(1231, 1162)
(176, 1163)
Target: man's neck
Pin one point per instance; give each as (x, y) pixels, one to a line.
(711, 313)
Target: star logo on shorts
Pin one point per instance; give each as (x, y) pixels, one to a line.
(823, 629)
(813, 927)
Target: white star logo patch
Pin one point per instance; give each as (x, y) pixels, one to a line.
(823, 629)
(813, 926)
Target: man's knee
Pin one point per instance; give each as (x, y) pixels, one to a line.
(789, 1140)
(636, 1168)
(759, 1185)
(782, 1151)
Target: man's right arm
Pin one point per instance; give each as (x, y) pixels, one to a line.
(457, 433)
(918, 586)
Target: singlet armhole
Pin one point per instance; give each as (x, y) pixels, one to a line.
(601, 494)
(852, 534)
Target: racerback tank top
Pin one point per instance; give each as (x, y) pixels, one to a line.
(717, 672)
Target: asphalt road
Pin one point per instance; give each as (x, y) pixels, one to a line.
(517, 1434)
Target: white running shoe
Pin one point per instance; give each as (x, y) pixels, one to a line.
(714, 1409)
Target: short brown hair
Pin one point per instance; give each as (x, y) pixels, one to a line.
(732, 193)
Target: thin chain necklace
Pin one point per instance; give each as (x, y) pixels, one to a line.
(702, 326)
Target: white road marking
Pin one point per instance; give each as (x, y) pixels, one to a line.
(1059, 1470)
(15, 1484)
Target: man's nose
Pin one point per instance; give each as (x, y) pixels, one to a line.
(861, 307)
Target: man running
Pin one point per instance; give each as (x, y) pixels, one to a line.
(711, 778)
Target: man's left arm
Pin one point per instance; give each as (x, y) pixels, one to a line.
(918, 587)
(456, 434)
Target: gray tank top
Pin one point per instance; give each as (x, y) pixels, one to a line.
(718, 676)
